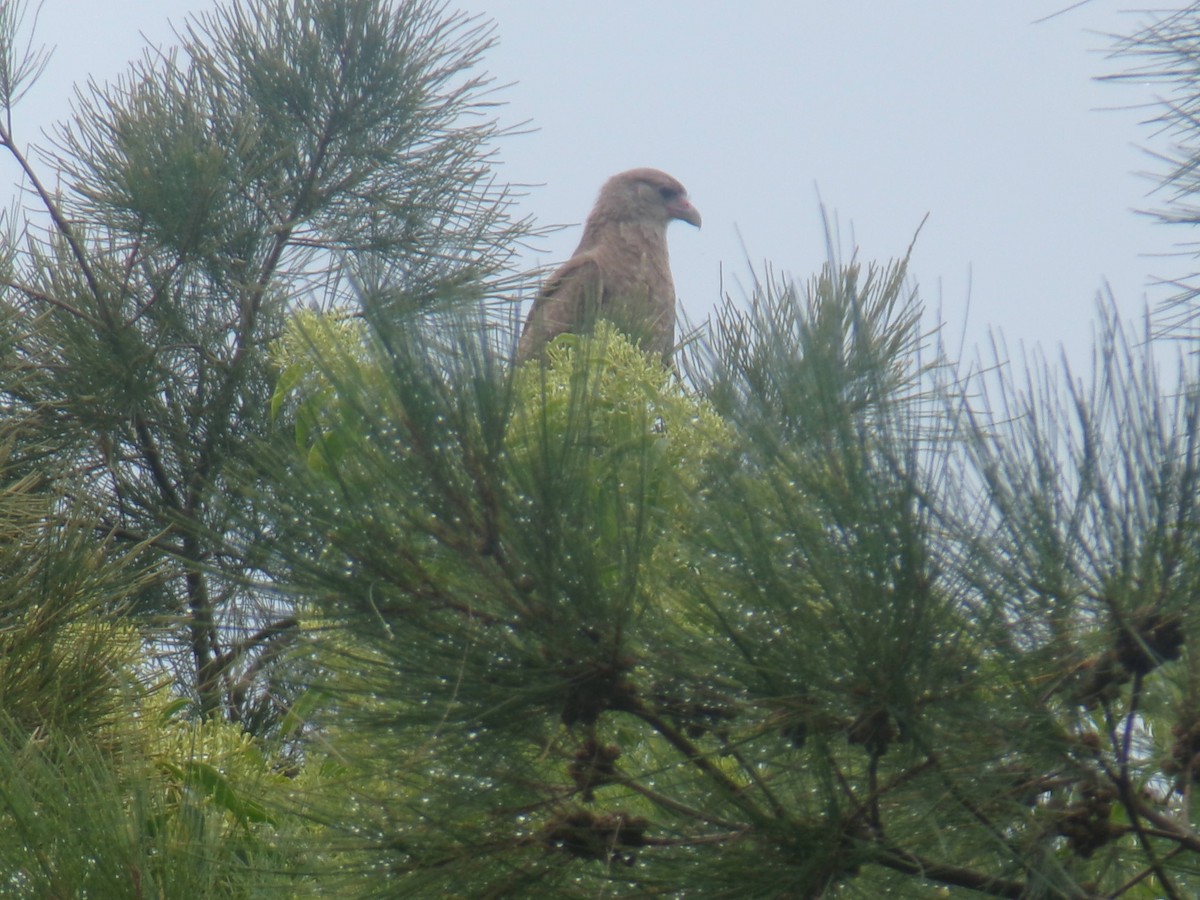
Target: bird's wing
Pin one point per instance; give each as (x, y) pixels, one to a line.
(562, 304)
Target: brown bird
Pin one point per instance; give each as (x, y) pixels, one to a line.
(620, 269)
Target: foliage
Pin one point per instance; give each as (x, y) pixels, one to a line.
(644, 638)
(167, 809)
(283, 151)
(1162, 52)
(309, 590)
(105, 790)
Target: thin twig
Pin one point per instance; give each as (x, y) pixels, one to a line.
(701, 761)
(56, 215)
(41, 297)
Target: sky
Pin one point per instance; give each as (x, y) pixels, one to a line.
(987, 118)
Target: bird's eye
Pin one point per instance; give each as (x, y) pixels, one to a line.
(668, 193)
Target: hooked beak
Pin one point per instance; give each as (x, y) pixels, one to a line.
(683, 210)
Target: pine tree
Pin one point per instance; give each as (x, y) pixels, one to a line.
(283, 151)
(825, 622)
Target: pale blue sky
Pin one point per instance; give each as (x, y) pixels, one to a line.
(970, 112)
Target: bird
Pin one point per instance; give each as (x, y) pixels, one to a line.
(620, 269)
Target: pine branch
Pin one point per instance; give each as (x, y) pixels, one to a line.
(912, 864)
(675, 806)
(1125, 791)
(60, 221)
(268, 633)
(41, 297)
(700, 760)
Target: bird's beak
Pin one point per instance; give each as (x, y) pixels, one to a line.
(682, 209)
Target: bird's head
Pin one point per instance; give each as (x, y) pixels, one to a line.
(646, 195)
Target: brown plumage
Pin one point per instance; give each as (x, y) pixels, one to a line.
(620, 269)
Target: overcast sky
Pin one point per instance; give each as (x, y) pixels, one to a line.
(973, 113)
